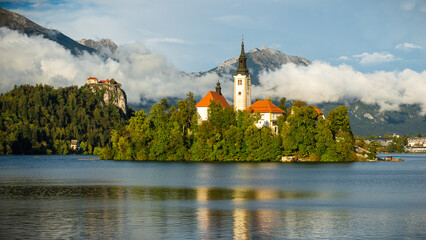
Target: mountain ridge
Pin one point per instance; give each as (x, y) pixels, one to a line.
(258, 60)
(17, 22)
(101, 45)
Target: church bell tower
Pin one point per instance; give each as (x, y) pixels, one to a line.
(242, 83)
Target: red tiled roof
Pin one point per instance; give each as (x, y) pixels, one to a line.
(92, 78)
(205, 102)
(318, 111)
(264, 106)
(104, 81)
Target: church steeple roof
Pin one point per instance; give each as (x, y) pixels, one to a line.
(218, 88)
(242, 62)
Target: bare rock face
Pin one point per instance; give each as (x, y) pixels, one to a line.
(111, 93)
(100, 45)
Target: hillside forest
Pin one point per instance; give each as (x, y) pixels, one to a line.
(42, 120)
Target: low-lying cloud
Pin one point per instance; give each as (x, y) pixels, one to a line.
(143, 74)
(322, 82)
(146, 74)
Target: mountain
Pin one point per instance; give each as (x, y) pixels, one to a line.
(23, 25)
(368, 119)
(101, 45)
(258, 60)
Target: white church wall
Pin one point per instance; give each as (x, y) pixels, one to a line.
(203, 112)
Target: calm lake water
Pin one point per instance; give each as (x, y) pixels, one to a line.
(50, 197)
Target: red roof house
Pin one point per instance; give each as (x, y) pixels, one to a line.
(269, 114)
(217, 97)
(264, 106)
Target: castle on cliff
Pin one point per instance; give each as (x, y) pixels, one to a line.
(93, 80)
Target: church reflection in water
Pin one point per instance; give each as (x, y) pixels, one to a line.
(239, 221)
(165, 212)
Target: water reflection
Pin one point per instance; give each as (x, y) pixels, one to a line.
(146, 212)
(58, 211)
(148, 193)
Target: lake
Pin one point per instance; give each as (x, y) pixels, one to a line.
(74, 196)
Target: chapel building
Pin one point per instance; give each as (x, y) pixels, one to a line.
(217, 97)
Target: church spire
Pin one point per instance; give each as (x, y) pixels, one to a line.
(242, 62)
(218, 88)
(242, 48)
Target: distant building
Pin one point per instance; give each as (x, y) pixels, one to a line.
(384, 142)
(92, 80)
(416, 142)
(416, 145)
(269, 114)
(242, 83)
(105, 81)
(416, 149)
(320, 113)
(217, 97)
(75, 145)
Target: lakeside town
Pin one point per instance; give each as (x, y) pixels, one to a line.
(396, 143)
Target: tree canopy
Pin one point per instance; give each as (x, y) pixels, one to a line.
(171, 134)
(42, 120)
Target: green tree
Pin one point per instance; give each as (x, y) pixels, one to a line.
(339, 120)
(344, 146)
(373, 148)
(325, 143)
(299, 135)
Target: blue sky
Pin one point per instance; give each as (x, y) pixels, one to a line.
(388, 35)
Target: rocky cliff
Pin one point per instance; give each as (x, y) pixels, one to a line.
(111, 94)
(101, 45)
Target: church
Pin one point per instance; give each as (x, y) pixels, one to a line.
(242, 98)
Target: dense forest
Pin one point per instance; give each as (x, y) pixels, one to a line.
(42, 120)
(175, 134)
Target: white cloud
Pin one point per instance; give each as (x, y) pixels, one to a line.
(375, 57)
(413, 4)
(343, 58)
(407, 46)
(32, 60)
(321, 82)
